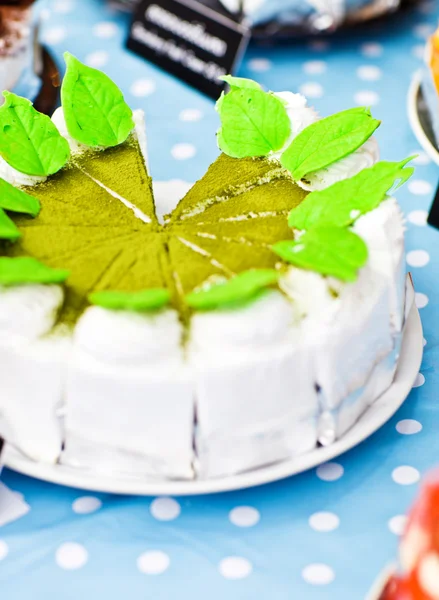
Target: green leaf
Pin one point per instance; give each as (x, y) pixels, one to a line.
(240, 83)
(29, 141)
(16, 271)
(145, 300)
(8, 229)
(15, 200)
(253, 123)
(328, 140)
(343, 202)
(241, 288)
(327, 250)
(95, 111)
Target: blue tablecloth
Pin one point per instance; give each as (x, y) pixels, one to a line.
(323, 534)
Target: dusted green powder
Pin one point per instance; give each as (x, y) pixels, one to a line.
(107, 245)
(225, 177)
(122, 170)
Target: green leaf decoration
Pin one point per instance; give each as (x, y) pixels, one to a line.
(343, 202)
(331, 251)
(240, 82)
(241, 288)
(143, 301)
(95, 111)
(328, 140)
(8, 229)
(17, 271)
(253, 123)
(29, 141)
(15, 200)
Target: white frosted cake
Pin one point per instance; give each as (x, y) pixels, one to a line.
(260, 318)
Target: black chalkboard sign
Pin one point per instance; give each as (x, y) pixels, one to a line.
(195, 42)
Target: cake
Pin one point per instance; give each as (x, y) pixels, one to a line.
(259, 318)
(418, 575)
(16, 41)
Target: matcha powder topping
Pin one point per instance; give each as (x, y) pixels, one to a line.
(98, 222)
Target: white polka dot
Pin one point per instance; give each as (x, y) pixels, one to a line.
(418, 217)
(4, 549)
(259, 65)
(235, 567)
(405, 475)
(314, 67)
(183, 151)
(71, 556)
(190, 114)
(424, 343)
(319, 45)
(105, 30)
(55, 35)
(143, 87)
(366, 98)
(154, 562)
(45, 14)
(324, 521)
(397, 524)
(423, 30)
(165, 509)
(369, 73)
(421, 158)
(371, 50)
(244, 516)
(86, 505)
(417, 258)
(318, 574)
(311, 89)
(408, 427)
(419, 187)
(330, 471)
(97, 59)
(421, 300)
(419, 381)
(63, 6)
(418, 51)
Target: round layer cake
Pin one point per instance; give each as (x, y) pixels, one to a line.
(261, 317)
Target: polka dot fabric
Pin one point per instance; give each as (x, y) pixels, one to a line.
(310, 536)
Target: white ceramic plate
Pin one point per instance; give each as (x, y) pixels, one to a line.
(420, 119)
(373, 419)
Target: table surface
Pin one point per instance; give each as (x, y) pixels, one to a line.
(321, 535)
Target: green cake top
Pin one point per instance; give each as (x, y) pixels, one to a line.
(92, 221)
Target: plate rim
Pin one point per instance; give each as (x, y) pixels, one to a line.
(374, 418)
(413, 115)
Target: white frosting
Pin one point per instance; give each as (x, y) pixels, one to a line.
(129, 395)
(312, 294)
(16, 178)
(76, 147)
(60, 123)
(366, 156)
(299, 113)
(28, 311)
(266, 320)
(33, 369)
(301, 116)
(383, 231)
(256, 401)
(135, 337)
